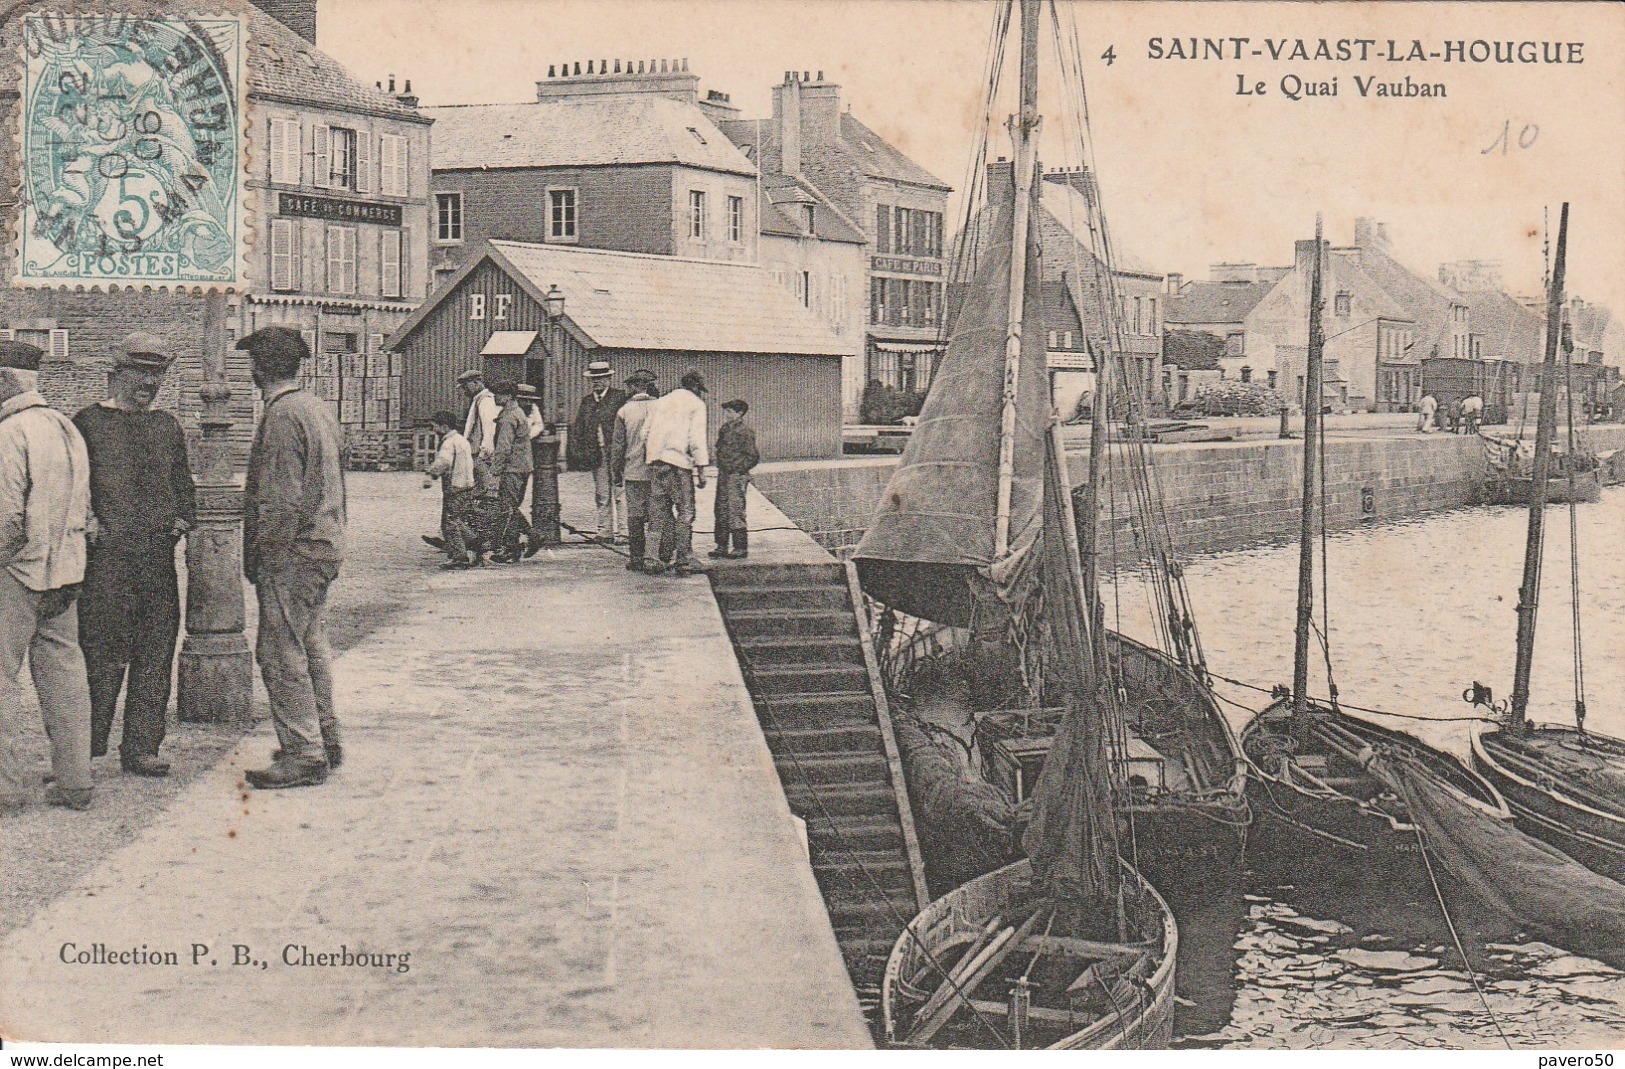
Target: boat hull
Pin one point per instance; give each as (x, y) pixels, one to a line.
(966, 911)
(1295, 825)
(1514, 490)
(1590, 835)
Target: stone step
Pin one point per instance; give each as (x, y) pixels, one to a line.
(776, 622)
(840, 799)
(810, 650)
(781, 682)
(816, 712)
(831, 766)
(780, 596)
(755, 575)
(844, 738)
(872, 914)
(863, 833)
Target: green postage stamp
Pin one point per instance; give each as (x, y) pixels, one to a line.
(132, 150)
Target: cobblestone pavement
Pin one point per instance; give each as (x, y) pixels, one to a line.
(555, 801)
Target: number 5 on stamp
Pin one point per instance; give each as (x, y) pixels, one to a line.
(131, 133)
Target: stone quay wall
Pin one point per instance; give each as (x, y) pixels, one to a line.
(1217, 496)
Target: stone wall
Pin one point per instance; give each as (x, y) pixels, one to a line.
(1216, 496)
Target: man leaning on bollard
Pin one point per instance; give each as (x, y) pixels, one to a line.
(142, 496)
(44, 512)
(294, 512)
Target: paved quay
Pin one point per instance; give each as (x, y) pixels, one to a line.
(557, 811)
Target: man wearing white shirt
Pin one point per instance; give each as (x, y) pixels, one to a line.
(480, 428)
(677, 453)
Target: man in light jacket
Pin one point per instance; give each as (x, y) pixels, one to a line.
(629, 467)
(480, 428)
(44, 512)
(677, 454)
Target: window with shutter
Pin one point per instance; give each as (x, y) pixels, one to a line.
(389, 263)
(341, 259)
(883, 228)
(59, 346)
(363, 161)
(321, 153)
(284, 254)
(279, 148)
(392, 165)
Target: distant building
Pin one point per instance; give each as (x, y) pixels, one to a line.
(340, 210)
(874, 188)
(1218, 307)
(611, 154)
(733, 322)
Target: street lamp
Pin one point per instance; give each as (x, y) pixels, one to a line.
(554, 302)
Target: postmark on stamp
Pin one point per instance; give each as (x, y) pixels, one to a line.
(130, 133)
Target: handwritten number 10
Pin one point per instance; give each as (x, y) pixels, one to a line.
(1526, 138)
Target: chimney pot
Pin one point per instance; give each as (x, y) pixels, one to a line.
(820, 75)
(662, 66)
(391, 83)
(380, 86)
(685, 64)
(617, 66)
(805, 76)
(409, 87)
(550, 70)
(603, 66)
(589, 66)
(578, 68)
(640, 66)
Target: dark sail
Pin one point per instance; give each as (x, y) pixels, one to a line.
(934, 527)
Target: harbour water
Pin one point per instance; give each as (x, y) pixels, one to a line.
(1292, 956)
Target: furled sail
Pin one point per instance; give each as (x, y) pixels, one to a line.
(933, 530)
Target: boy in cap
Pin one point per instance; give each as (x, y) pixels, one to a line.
(513, 464)
(588, 447)
(45, 505)
(294, 512)
(736, 455)
(142, 496)
(629, 466)
(453, 465)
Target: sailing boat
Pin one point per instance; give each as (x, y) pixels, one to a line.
(1321, 777)
(1071, 948)
(1565, 785)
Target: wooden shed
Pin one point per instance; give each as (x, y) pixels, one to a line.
(733, 323)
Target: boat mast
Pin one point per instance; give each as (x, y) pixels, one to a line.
(1024, 130)
(1311, 472)
(1089, 532)
(1545, 433)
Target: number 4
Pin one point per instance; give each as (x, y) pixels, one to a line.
(1110, 55)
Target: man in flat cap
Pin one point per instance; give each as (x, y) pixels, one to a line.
(513, 464)
(44, 512)
(588, 448)
(142, 496)
(294, 512)
(629, 468)
(480, 428)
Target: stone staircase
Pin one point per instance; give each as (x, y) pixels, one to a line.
(804, 650)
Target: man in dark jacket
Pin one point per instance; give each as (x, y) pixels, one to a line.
(588, 449)
(512, 462)
(735, 456)
(294, 512)
(142, 495)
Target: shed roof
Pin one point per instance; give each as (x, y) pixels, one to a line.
(596, 131)
(630, 300)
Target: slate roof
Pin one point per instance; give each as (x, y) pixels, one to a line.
(1509, 331)
(783, 198)
(1214, 302)
(1423, 300)
(605, 130)
(281, 66)
(630, 300)
(284, 66)
(1070, 209)
(878, 159)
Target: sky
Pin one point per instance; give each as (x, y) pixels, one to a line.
(1192, 171)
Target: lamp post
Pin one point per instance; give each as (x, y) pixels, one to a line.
(544, 448)
(216, 668)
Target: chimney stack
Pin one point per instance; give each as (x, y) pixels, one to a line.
(407, 97)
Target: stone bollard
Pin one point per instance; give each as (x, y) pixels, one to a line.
(216, 667)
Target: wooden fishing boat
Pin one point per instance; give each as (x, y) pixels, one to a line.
(1182, 769)
(976, 532)
(1324, 790)
(1323, 778)
(1073, 994)
(1566, 785)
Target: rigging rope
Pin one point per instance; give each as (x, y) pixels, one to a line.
(1574, 546)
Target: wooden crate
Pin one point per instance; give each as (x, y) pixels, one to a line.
(377, 365)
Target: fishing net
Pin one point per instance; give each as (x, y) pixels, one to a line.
(1530, 884)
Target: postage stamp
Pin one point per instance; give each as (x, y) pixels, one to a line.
(130, 134)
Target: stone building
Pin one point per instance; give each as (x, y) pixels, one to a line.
(338, 205)
(611, 154)
(852, 174)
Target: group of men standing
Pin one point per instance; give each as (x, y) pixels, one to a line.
(646, 454)
(91, 512)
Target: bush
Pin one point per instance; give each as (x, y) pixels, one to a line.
(884, 404)
(1234, 398)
